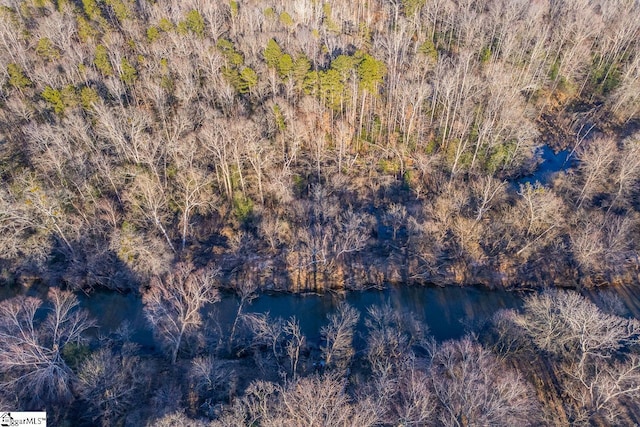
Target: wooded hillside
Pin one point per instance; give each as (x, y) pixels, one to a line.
(308, 144)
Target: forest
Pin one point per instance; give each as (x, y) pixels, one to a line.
(314, 145)
(179, 150)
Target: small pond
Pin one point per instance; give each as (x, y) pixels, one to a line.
(551, 163)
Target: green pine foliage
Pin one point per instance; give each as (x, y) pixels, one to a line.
(194, 23)
(605, 76)
(70, 96)
(242, 80)
(371, 73)
(47, 50)
(165, 25)
(285, 66)
(86, 32)
(233, 56)
(120, 8)
(428, 48)
(344, 65)
(88, 98)
(485, 54)
(272, 54)
(279, 118)
(411, 7)
(17, 78)
(248, 80)
(331, 88)
(299, 71)
(54, 99)
(67, 98)
(91, 9)
(286, 20)
(328, 19)
(153, 33)
(269, 13)
(242, 207)
(331, 85)
(128, 73)
(276, 59)
(241, 77)
(102, 62)
(234, 8)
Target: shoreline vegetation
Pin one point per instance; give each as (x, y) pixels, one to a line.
(173, 149)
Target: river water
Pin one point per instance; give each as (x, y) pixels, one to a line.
(448, 312)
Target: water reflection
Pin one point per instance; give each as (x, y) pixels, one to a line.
(621, 300)
(551, 163)
(114, 310)
(446, 311)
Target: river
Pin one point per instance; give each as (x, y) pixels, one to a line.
(448, 312)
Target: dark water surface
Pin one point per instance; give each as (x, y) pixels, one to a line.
(551, 164)
(448, 312)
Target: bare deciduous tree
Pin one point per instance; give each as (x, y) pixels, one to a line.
(472, 388)
(338, 336)
(487, 191)
(396, 216)
(411, 401)
(596, 160)
(265, 331)
(110, 383)
(176, 419)
(321, 401)
(246, 292)
(595, 351)
(627, 172)
(210, 377)
(173, 302)
(32, 359)
(391, 335)
(151, 201)
(567, 325)
(543, 211)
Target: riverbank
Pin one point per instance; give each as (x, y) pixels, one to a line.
(271, 273)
